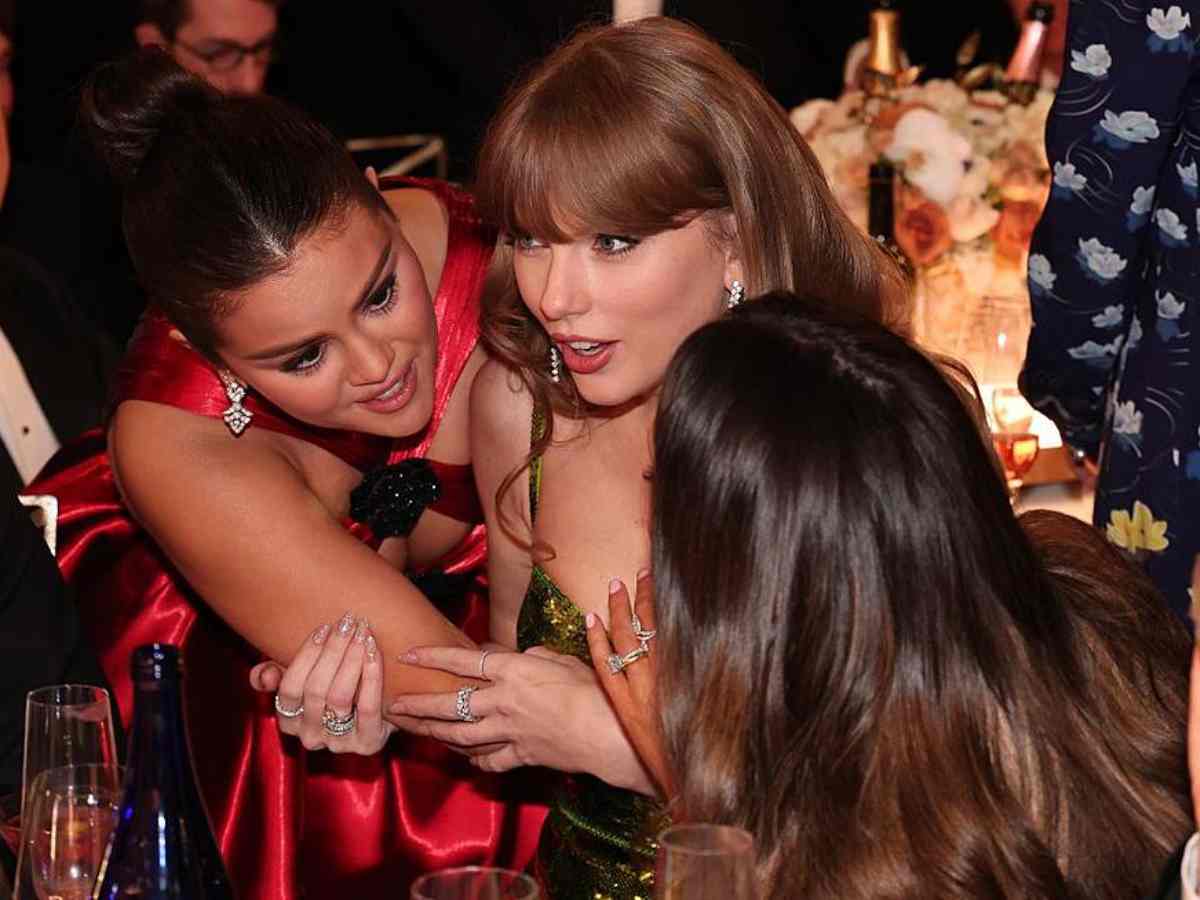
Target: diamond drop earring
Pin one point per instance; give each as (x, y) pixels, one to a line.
(735, 293)
(555, 374)
(236, 417)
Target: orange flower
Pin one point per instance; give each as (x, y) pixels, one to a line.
(922, 229)
(1015, 229)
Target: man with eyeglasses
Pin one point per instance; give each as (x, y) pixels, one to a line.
(229, 43)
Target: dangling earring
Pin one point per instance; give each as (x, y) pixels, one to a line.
(736, 292)
(236, 417)
(555, 375)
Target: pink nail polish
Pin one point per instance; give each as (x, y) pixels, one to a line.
(408, 657)
(590, 618)
(614, 586)
(372, 647)
(643, 573)
(346, 625)
(320, 634)
(360, 633)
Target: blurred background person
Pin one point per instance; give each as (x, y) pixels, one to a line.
(228, 43)
(1112, 278)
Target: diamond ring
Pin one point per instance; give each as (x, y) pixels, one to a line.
(462, 705)
(338, 726)
(617, 663)
(288, 713)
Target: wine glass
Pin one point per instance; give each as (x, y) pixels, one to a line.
(705, 862)
(70, 817)
(66, 725)
(475, 883)
(1015, 444)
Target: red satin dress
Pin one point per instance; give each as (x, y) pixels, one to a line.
(292, 824)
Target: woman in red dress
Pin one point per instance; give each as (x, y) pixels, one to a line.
(307, 326)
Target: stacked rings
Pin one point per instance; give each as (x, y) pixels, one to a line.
(617, 663)
(462, 704)
(288, 713)
(338, 726)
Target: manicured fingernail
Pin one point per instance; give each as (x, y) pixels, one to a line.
(320, 634)
(346, 625)
(360, 633)
(614, 585)
(590, 618)
(372, 647)
(408, 657)
(642, 573)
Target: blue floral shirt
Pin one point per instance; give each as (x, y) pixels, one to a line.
(1113, 274)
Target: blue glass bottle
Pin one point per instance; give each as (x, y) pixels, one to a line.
(163, 846)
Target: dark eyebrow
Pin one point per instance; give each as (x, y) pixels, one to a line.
(380, 264)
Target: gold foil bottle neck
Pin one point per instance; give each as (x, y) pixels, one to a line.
(883, 62)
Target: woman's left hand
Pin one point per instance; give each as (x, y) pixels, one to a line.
(337, 671)
(538, 708)
(632, 687)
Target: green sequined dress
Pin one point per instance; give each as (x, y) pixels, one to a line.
(598, 840)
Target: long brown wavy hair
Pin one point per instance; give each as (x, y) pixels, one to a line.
(635, 129)
(867, 660)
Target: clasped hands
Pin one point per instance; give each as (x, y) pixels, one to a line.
(534, 708)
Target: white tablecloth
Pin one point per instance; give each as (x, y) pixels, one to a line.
(1071, 498)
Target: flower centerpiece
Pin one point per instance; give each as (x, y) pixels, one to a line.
(973, 178)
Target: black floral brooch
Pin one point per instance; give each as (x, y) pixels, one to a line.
(391, 498)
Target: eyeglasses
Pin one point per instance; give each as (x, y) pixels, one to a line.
(225, 56)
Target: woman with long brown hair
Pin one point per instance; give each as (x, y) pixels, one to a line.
(645, 183)
(866, 659)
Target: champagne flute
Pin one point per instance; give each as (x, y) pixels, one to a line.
(66, 725)
(475, 883)
(71, 815)
(1015, 444)
(705, 862)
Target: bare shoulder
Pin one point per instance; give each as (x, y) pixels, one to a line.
(161, 455)
(501, 413)
(451, 444)
(425, 224)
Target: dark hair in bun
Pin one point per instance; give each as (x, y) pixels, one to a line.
(218, 190)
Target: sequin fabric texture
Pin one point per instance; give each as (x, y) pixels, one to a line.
(598, 840)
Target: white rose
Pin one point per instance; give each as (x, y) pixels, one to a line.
(934, 154)
(808, 117)
(970, 218)
(977, 178)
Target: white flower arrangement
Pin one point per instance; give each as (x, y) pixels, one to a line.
(970, 161)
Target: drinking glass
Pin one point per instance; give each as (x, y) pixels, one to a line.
(705, 862)
(1015, 444)
(71, 813)
(475, 883)
(66, 725)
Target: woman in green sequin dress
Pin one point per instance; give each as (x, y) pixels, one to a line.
(644, 182)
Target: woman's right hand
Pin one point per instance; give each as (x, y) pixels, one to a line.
(338, 669)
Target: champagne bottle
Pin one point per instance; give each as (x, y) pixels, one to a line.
(881, 211)
(163, 846)
(884, 57)
(1024, 70)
